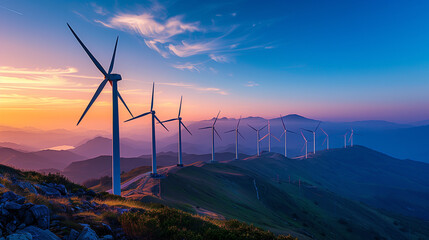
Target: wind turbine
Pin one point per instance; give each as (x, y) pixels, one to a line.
(269, 136)
(154, 117)
(351, 138)
(236, 137)
(314, 136)
(258, 145)
(326, 139)
(306, 145)
(113, 79)
(212, 127)
(285, 131)
(180, 163)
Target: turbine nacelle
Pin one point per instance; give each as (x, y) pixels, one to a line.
(114, 77)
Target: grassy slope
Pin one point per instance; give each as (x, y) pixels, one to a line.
(228, 189)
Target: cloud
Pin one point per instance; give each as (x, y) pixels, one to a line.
(99, 10)
(11, 10)
(187, 66)
(251, 84)
(49, 71)
(195, 87)
(219, 58)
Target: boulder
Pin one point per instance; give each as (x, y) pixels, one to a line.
(39, 234)
(12, 206)
(107, 237)
(42, 216)
(73, 235)
(27, 185)
(48, 191)
(87, 234)
(11, 196)
(20, 236)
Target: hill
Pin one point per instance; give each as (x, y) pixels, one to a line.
(81, 171)
(42, 207)
(103, 146)
(353, 193)
(37, 160)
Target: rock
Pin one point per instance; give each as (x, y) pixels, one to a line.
(27, 185)
(48, 191)
(87, 234)
(28, 218)
(42, 216)
(62, 189)
(73, 235)
(10, 196)
(11, 227)
(39, 234)
(12, 206)
(107, 237)
(20, 236)
(2, 186)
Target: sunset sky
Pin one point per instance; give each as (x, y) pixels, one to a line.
(330, 60)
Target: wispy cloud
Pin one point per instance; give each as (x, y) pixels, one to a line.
(251, 84)
(49, 71)
(195, 87)
(99, 9)
(176, 37)
(11, 10)
(187, 66)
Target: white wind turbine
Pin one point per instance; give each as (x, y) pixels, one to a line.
(212, 127)
(258, 144)
(113, 79)
(351, 138)
(306, 145)
(154, 117)
(285, 131)
(326, 139)
(314, 136)
(179, 118)
(236, 137)
(269, 136)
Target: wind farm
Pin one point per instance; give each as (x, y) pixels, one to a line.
(294, 120)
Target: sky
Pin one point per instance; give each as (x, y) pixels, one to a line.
(328, 60)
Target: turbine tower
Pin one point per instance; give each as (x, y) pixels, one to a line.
(258, 145)
(269, 136)
(314, 136)
(326, 139)
(236, 137)
(212, 127)
(285, 131)
(306, 145)
(154, 117)
(113, 79)
(180, 162)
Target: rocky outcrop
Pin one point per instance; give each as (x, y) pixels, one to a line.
(87, 234)
(39, 234)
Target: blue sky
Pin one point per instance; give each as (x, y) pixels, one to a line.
(332, 60)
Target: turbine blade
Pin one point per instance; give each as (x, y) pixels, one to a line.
(151, 103)
(159, 121)
(264, 137)
(305, 139)
(205, 128)
(97, 64)
(185, 128)
(180, 106)
(303, 146)
(216, 118)
(217, 133)
(169, 120)
(291, 131)
(230, 131)
(252, 127)
(122, 100)
(113, 57)
(239, 133)
(284, 126)
(317, 126)
(139, 116)
(282, 134)
(324, 141)
(275, 137)
(324, 131)
(97, 92)
(307, 130)
(263, 127)
(238, 124)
